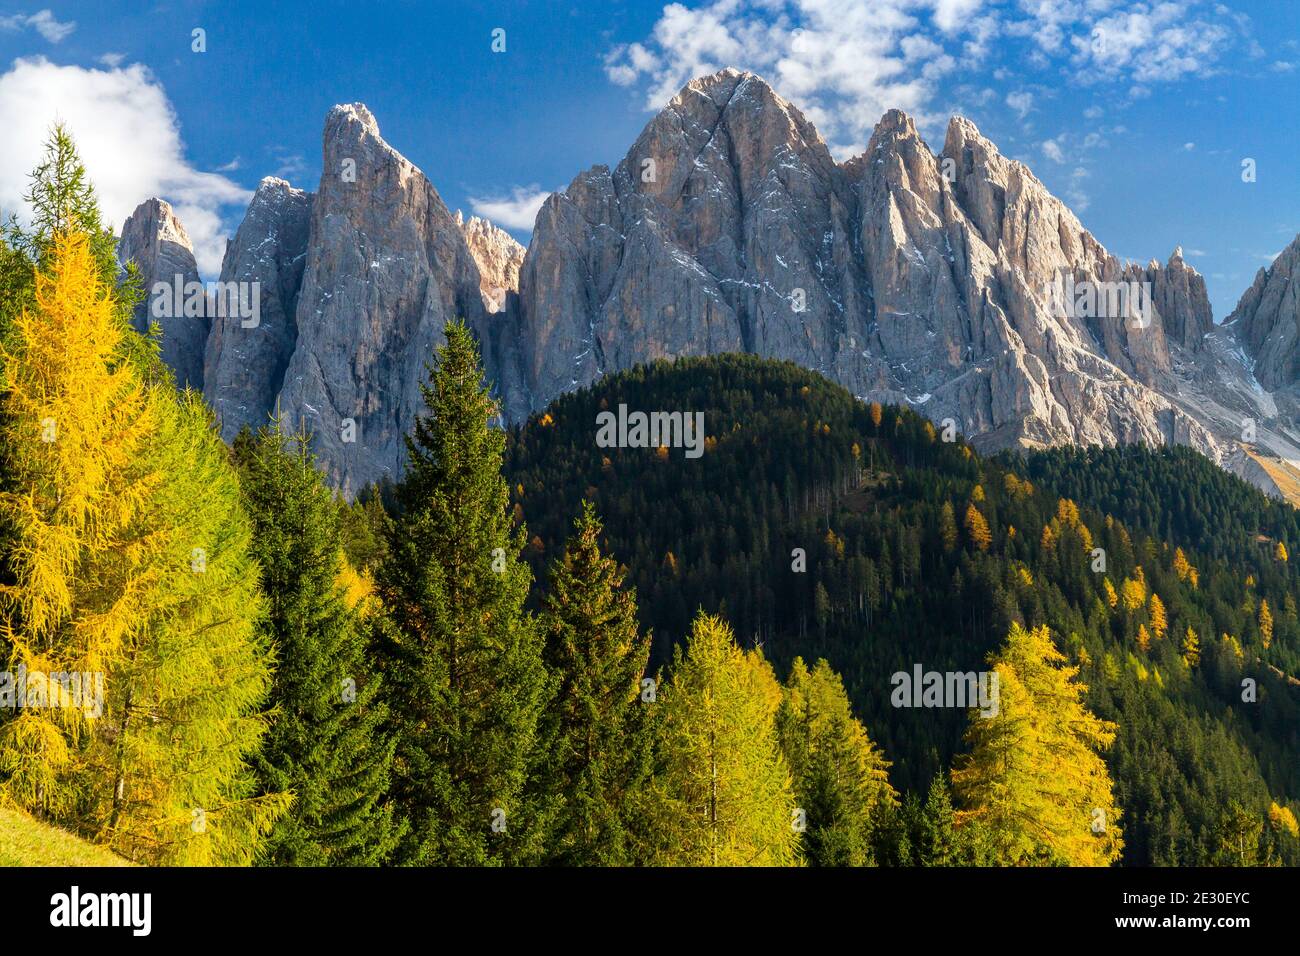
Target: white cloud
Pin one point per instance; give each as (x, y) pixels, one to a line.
(129, 138)
(516, 211)
(1075, 194)
(1022, 102)
(42, 21)
(845, 62)
(950, 15)
(288, 165)
(1152, 42)
(1052, 149)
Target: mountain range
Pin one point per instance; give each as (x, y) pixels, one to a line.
(926, 278)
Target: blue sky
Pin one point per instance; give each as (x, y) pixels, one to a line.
(1139, 114)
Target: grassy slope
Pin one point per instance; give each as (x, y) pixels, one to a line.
(28, 842)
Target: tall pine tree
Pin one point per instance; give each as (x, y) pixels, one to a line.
(326, 742)
(596, 732)
(464, 658)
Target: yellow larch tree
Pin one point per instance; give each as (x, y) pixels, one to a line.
(1159, 620)
(977, 528)
(75, 420)
(1265, 623)
(1034, 776)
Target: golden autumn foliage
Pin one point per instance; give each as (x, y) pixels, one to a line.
(977, 528)
(1034, 776)
(1191, 648)
(78, 419)
(75, 421)
(723, 797)
(1017, 488)
(1132, 594)
(1265, 623)
(1282, 819)
(1159, 620)
(130, 560)
(357, 586)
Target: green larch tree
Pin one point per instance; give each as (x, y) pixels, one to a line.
(722, 790)
(840, 776)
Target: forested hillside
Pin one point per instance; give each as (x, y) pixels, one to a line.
(823, 527)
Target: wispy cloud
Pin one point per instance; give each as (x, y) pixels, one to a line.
(288, 164)
(42, 21)
(518, 210)
(1021, 101)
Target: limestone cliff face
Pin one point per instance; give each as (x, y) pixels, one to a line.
(498, 257)
(244, 366)
(1267, 320)
(726, 227)
(386, 267)
(902, 274)
(156, 241)
(942, 279)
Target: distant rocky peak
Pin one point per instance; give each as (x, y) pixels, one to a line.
(1267, 320)
(153, 222)
(345, 115)
(498, 256)
(156, 241)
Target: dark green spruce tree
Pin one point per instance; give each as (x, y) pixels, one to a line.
(464, 657)
(596, 734)
(326, 743)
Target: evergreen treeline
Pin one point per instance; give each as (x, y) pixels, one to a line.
(461, 669)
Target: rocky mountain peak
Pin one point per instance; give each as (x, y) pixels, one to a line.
(386, 266)
(154, 221)
(344, 115)
(498, 257)
(244, 362)
(154, 238)
(1267, 320)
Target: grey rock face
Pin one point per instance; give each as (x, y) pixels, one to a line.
(726, 227)
(387, 266)
(244, 366)
(155, 240)
(920, 277)
(1267, 320)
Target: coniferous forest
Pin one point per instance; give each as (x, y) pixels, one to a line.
(532, 649)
